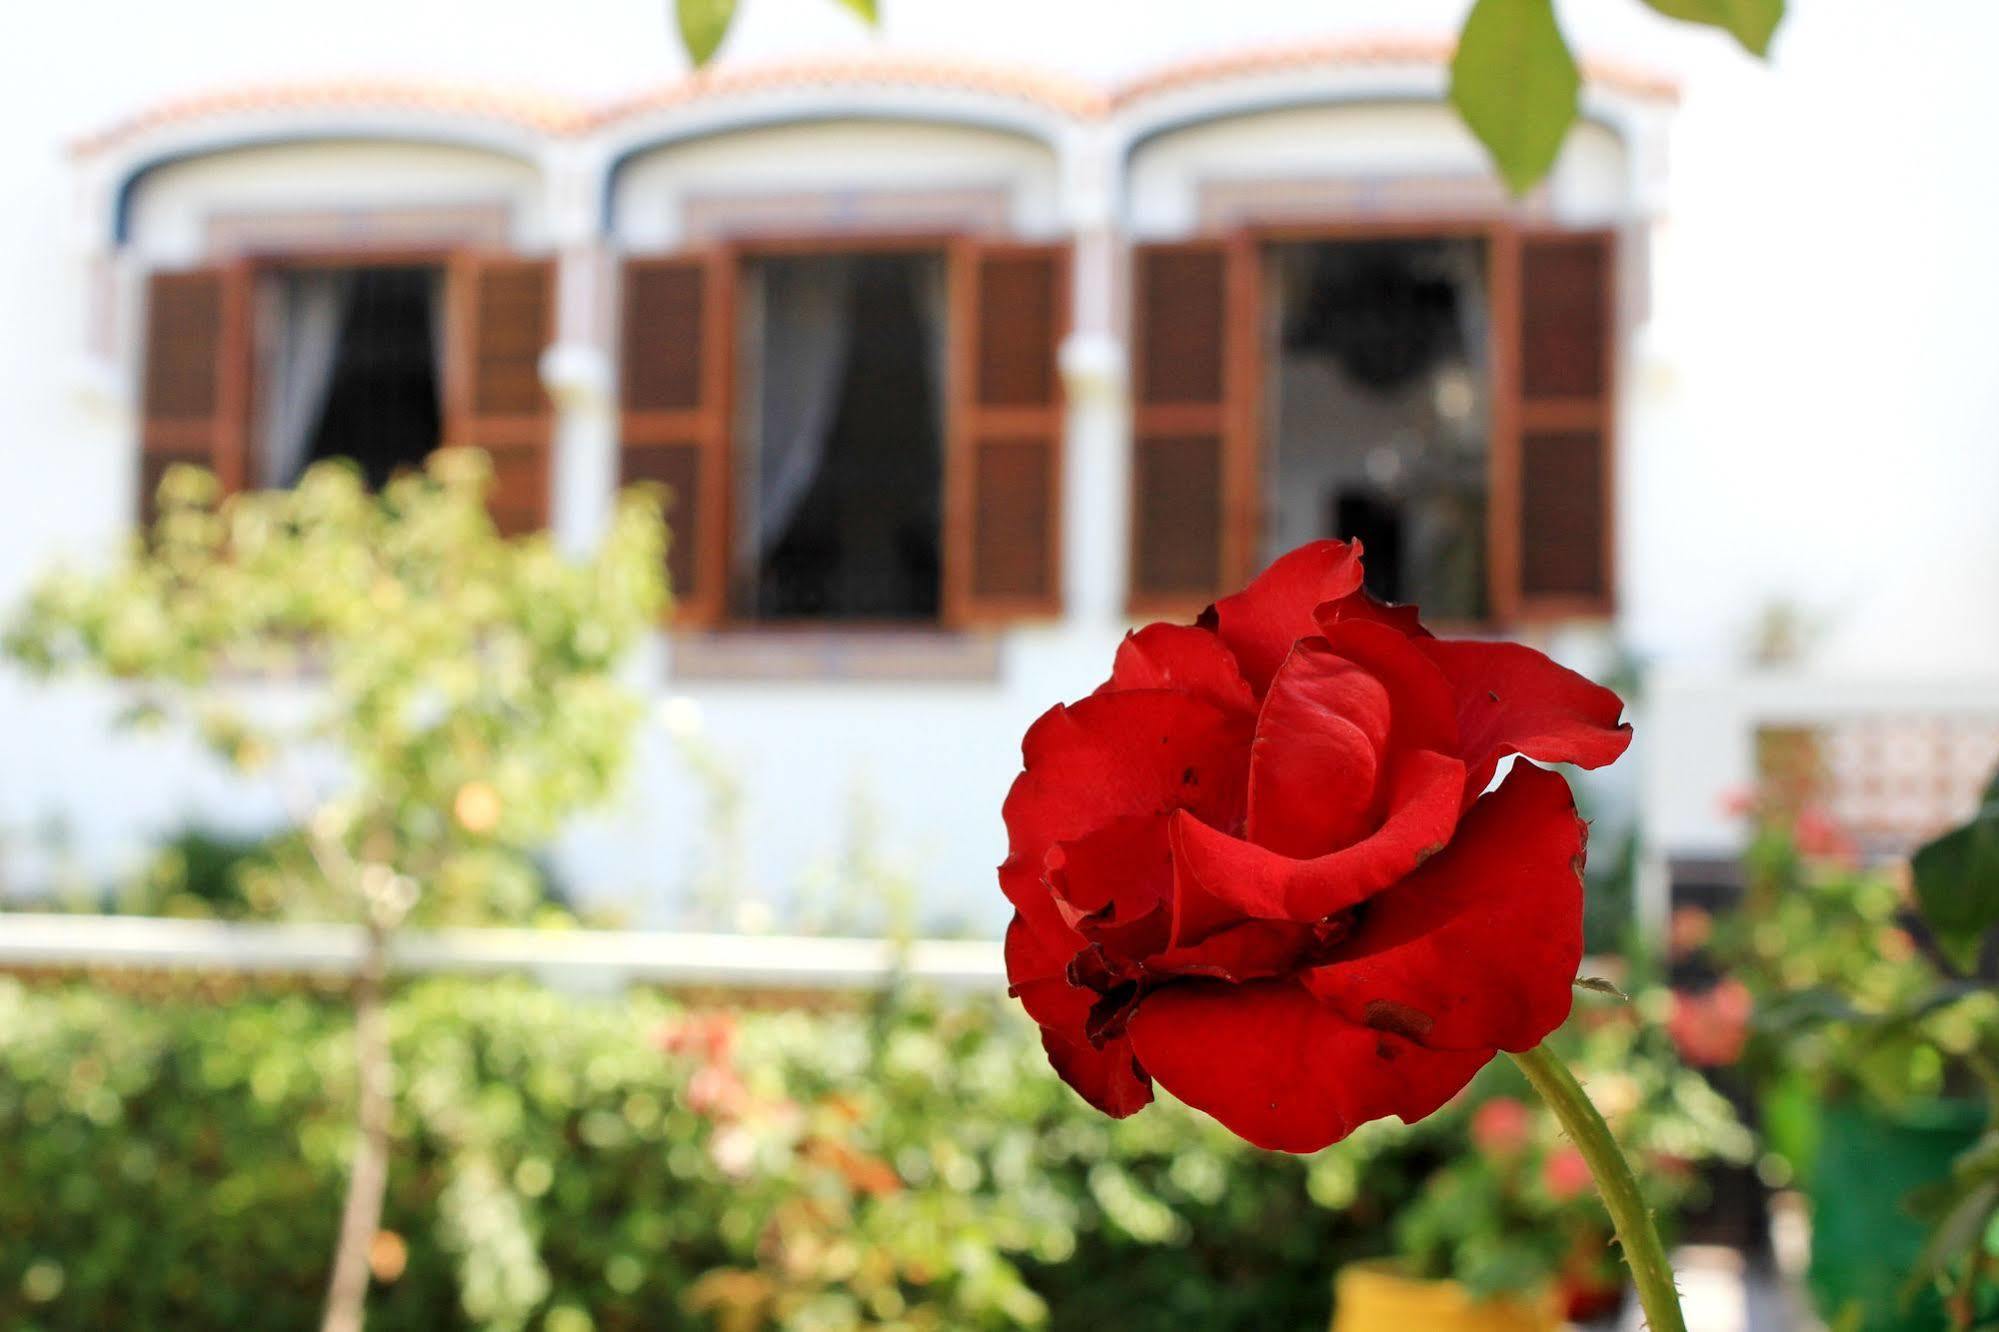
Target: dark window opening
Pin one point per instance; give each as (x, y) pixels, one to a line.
(350, 366)
(839, 485)
(1377, 393)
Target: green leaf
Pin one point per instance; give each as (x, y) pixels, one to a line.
(703, 25)
(1751, 21)
(1515, 83)
(868, 10)
(1957, 882)
(1961, 1229)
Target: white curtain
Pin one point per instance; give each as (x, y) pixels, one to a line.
(309, 307)
(807, 331)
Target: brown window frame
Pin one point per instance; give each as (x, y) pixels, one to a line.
(708, 606)
(1240, 422)
(233, 455)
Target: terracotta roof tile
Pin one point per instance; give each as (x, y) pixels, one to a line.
(1070, 97)
(1348, 53)
(549, 115)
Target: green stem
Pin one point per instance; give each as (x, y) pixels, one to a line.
(1636, 1234)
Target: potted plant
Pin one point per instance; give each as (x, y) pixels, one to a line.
(1506, 1233)
(1874, 1051)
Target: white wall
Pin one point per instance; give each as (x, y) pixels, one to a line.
(175, 207)
(840, 157)
(1811, 413)
(1378, 142)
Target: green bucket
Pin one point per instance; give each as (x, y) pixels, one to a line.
(1864, 1242)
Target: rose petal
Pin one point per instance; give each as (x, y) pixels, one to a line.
(1124, 868)
(1319, 745)
(1183, 657)
(1108, 1078)
(1112, 756)
(1422, 704)
(1114, 886)
(1479, 947)
(1260, 623)
(1219, 879)
(1247, 950)
(1282, 1070)
(1514, 700)
(1035, 909)
(1364, 605)
(1037, 975)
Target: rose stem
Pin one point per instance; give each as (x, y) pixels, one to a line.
(1636, 1234)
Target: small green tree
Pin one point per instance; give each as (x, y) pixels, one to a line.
(431, 700)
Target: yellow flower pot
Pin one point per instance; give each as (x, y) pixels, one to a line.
(1370, 1297)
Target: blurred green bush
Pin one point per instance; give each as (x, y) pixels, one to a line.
(569, 1163)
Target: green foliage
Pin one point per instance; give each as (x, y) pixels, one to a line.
(1845, 997)
(703, 26)
(428, 695)
(904, 1165)
(1957, 880)
(1751, 22)
(1514, 1211)
(1515, 83)
(1855, 1000)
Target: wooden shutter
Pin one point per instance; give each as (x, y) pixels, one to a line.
(195, 406)
(1194, 456)
(1003, 464)
(502, 318)
(1553, 489)
(674, 343)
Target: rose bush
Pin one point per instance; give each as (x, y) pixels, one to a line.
(1261, 865)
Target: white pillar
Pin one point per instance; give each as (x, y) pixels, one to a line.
(1097, 485)
(578, 367)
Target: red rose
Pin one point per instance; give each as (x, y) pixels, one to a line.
(1260, 864)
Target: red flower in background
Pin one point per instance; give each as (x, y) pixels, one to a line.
(1261, 865)
(1711, 1029)
(1502, 1127)
(1566, 1175)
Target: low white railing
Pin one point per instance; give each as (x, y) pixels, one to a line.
(593, 960)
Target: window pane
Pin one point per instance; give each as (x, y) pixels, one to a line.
(839, 461)
(348, 367)
(1376, 393)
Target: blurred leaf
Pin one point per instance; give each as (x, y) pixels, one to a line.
(869, 10)
(1753, 22)
(1962, 1228)
(1957, 879)
(703, 25)
(1515, 83)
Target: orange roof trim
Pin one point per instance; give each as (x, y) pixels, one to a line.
(549, 115)
(1349, 53)
(1075, 98)
(1070, 97)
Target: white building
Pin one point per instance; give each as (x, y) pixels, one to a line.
(964, 343)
